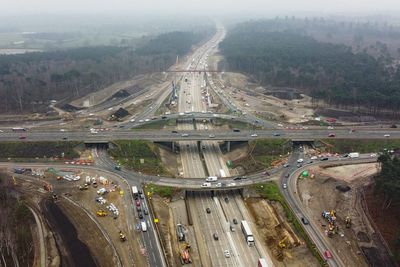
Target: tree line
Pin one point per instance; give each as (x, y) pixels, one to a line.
(329, 72)
(28, 82)
(387, 180)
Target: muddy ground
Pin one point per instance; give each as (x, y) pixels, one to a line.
(355, 244)
(273, 228)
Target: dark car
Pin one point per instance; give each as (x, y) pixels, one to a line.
(140, 215)
(287, 175)
(238, 178)
(325, 158)
(235, 221)
(208, 210)
(145, 211)
(227, 200)
(174, 131)
(65, 138)
(276, 134)
(215, 236)
(138, 209)
(304, 220)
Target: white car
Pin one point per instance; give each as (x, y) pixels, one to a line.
(147, 120)
(300, 160)
(211, 136)
(62, 130)
(227, 253)
(314, 157)
(132, 120)
(218, 185)
(141, 120)
(386, 135)
(206, 185)
(284, 186)
(185, 135)
(254, 135)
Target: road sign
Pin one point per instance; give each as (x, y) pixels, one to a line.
(155, 220)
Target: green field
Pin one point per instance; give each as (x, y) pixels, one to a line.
(24, 150)
(141, 156)
(361, 145)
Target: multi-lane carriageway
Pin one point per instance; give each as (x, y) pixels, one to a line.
(208, 162)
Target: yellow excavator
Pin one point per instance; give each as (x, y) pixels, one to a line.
(282, 243)
(101, 213)
(122, 237)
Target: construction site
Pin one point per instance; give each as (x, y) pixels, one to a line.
(86, 214)
(333, 196)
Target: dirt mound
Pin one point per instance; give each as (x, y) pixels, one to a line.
(70, 108)
(343, 188)
(120, 94)
(363, 237)
(120, 113)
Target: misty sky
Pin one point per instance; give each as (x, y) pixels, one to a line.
(259, 7)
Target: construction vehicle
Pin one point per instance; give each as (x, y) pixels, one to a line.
(122, 237)
(101, 213)
(348, 221)
(83, 187)
(47, 186)
(281, 243)
(185, 255)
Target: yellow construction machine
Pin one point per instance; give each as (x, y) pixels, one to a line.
(101, 213)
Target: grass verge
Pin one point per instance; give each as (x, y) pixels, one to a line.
(155, 125)
(362, 146)
(162, 191)
(141, 156)
(23, 150)
(270, 191)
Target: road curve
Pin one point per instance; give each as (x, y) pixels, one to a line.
(298, 209)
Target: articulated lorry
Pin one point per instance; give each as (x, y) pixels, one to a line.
(247, 233)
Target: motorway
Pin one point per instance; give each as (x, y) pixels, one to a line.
(198, 135)
(222, 212)
(193, 98)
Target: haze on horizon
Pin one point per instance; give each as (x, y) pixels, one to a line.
(200, 7)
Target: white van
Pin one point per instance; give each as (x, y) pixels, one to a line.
(144, 226)
(206, 185)
(212, 179)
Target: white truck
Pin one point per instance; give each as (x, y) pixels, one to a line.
(247, 233)
(354, 155)
(144, 226)
(211, 178)
(135, 192)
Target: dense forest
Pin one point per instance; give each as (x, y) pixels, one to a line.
(387, 180)
(326, 71)
(28, 82)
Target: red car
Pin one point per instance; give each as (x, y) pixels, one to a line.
(137, 203)
(22, 137)
(327, 254)
(331, 135)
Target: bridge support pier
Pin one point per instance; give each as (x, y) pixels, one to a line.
(228, 146)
